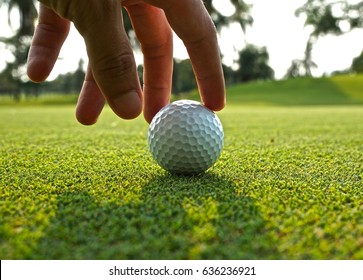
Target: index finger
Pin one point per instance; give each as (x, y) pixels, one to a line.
(110, 54)
(192, 23)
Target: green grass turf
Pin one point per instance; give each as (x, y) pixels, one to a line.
(338, 90)
(288, 185)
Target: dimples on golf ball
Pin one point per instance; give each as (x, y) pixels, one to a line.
(185, 137)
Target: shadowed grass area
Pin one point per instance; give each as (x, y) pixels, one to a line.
(288, 185)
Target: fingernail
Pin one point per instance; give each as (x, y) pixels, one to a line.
(127, 105)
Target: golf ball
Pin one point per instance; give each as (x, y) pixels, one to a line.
(185, 137)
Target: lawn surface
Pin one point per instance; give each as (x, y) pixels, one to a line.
(288, 185)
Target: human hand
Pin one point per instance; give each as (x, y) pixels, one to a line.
(111, 74)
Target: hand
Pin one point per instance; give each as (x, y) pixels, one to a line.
(111, 73)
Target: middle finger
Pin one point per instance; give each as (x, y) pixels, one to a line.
(156, 39)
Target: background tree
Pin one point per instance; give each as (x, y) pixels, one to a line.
(241, 14)
(183, 76)
(27, 12)
(357, 64)
(331, 17)
(67, 83)
(19, 43)
(253, 64)
(328, 17)
(302, 67)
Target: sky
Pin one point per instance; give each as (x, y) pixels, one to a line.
(275, 27)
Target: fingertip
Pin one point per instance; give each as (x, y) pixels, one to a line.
(213, 92)
(39, 65)
(215, 105)
(127, 105)
(148, 117)
(155, 99)
(90, 103)
(149, 114)
(84, 120)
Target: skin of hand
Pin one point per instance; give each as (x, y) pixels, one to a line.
(111, 73)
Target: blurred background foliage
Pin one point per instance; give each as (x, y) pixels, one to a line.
(322, 16)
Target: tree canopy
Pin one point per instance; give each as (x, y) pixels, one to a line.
(18, 44)
(253, 62)
(13, 76)
(334, 17)
(357, 64)
(325, 17)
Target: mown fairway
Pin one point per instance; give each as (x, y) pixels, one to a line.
(287, 186)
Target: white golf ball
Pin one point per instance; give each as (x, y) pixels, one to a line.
(185, 137)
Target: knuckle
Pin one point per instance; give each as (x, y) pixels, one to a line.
(116, 66)
(62, 8)
(156, 51)
(115, 70)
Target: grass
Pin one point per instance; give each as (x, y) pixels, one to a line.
(51, 99)
(288, 185)
(338, 90)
